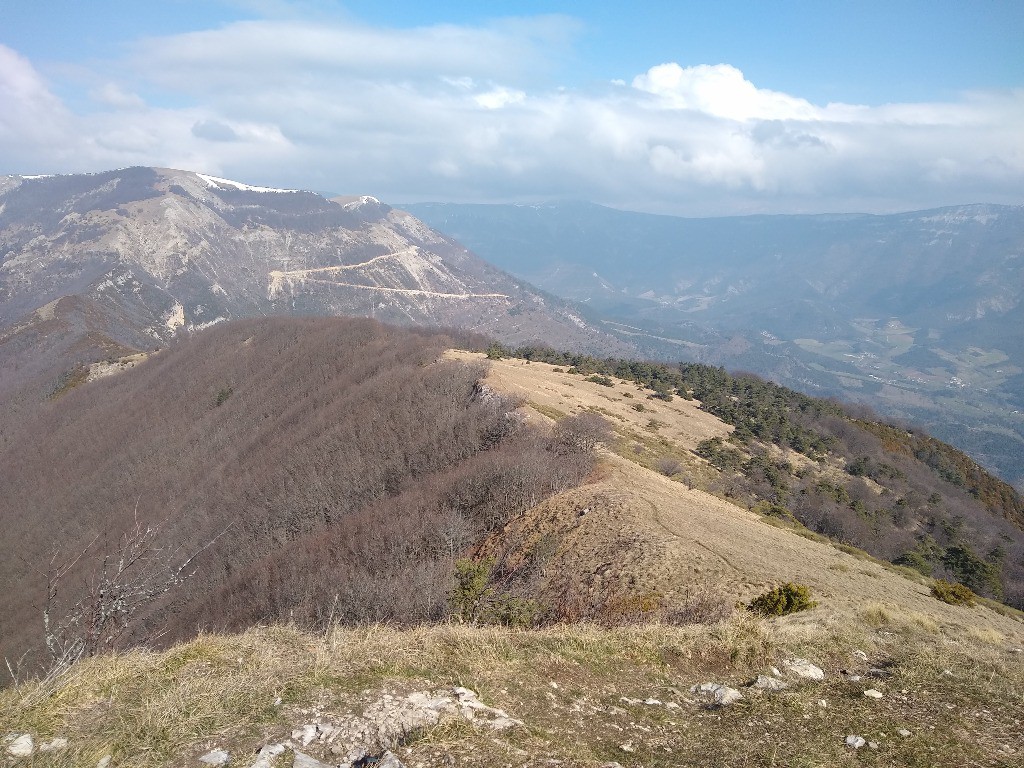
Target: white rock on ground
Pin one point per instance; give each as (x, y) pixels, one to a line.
(54, 745)
(21, 745)
(767, 683)
(871, 693)
(305, 734)
(803, 668)
(216, 757)
(723, 695)
(267, 755)
(302, 760)
(903, 732)
(384, 724)
(855, 741)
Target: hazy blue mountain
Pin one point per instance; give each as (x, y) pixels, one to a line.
(916, 314)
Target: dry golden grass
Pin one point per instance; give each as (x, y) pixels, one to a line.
(648, 533)
(959, 697)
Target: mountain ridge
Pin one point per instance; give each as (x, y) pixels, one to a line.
(913, 313)
(654, 662)
(195, 249)
(98, 266)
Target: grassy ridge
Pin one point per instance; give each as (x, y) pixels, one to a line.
(901, 495)
(577, 689)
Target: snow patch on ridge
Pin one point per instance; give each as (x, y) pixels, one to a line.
(218, 183)
(363, 200)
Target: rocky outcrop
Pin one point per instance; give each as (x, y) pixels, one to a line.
(370, 738)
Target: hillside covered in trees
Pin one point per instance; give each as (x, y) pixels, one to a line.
(311, 475)
(331, 470)
(895, 492)
(303, 469)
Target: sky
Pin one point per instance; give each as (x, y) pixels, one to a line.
(689, 108)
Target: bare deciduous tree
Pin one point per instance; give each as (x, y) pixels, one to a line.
(135, 572)
(580, 433)
(669, 466)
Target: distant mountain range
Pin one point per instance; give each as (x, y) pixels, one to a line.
(919, 315)
(101, 265)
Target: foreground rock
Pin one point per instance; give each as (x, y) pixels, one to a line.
(767, 683)
(20, 745)
(722, 695)
(803, 668)
(368, 739)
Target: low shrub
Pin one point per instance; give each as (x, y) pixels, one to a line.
(628, 608)
(783, 600)
(952, 593)
(223, 395)
(516, 612)
(770, 509)
(702, 604)
(669, 466)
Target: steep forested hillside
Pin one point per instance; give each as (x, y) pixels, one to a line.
(317, 468)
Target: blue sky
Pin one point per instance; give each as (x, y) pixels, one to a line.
(690, 108)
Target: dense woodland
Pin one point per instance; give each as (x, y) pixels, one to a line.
(891, 490)
(322, 469)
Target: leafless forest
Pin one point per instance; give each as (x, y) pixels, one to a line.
(335, 468)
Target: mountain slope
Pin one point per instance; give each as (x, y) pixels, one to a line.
(162, 250)
(296, 457)
(915, 314)
(904, 498)
(924, 682)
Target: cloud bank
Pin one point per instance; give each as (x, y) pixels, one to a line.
(470, 114)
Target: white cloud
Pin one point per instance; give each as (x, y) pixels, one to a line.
(29, 112)
(499, 97)
(720, 90)
(273, 52)
(450, 112)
